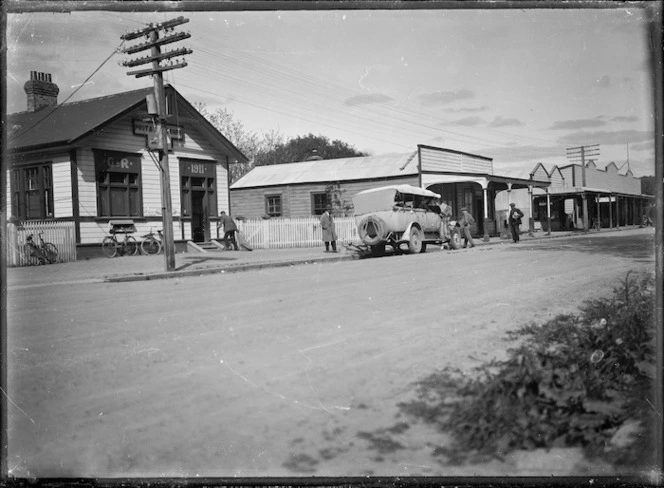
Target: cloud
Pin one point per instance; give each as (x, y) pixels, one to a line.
(469, 121)
(577, 124)
(502, 122)
(644, 146)
(442, 98)
(606, 137)
(367, 99)
(625, 118)
(604, 82)
(468, 109)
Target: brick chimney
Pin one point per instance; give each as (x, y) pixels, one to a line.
(41, 92)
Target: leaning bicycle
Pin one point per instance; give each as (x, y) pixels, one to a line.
(113, 246)
(151, 243)
(44, 252)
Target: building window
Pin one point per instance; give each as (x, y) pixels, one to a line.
(273, 205)
(118, 184)
(319, 203)
(32, 192)
(468, 200)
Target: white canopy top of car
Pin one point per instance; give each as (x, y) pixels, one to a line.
(382, 198)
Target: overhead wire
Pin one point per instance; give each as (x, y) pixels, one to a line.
(418, 122)
(51, 112)
(264, 67)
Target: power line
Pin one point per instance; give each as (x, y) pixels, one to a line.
(21, 133)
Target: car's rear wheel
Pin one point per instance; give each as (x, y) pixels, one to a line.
(415, 242)
(455, 239)
(372, 230)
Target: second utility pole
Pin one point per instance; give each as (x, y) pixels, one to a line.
(166, 201)
(154, 43)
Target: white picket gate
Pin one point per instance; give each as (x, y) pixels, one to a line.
(282, 233)
(61, 234)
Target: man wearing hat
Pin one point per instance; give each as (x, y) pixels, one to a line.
(514, 220)
(465, 222)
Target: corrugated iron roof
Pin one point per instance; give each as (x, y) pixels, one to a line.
(64, 124)
(329, 170)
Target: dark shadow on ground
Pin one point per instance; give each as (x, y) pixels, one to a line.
(207, 259)
(637, 247)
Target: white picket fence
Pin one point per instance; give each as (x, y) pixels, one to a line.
(278, 233)
(61, 234)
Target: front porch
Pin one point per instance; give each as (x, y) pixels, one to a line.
(478, 194)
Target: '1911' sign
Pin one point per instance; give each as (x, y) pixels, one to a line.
(197, 168)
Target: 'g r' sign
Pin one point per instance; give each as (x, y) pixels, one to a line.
(117, 162)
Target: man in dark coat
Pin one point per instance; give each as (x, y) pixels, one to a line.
(229, 230)
(514, 220)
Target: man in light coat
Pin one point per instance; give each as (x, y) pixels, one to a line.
(329, 231)
(465, 222)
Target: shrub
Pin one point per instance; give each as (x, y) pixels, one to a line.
(570, 382)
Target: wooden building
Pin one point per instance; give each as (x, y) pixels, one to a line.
(610, 197)
(306, 188)
(89, 162)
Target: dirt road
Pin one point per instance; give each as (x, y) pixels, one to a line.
(285, 371)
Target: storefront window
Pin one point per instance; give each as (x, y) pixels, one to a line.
(32, 192)
(318, 203)
(273, 205)
(118, 184)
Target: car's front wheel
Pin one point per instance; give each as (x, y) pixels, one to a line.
(415, 242)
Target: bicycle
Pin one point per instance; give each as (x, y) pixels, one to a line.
(45, 252)
(112, 247)
(151, 244)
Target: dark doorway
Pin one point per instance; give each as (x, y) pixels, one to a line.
(199, 217)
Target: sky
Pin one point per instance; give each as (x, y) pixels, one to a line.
(520, 86)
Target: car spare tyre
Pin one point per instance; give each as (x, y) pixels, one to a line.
(372, 230)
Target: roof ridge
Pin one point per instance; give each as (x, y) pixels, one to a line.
(87, 100)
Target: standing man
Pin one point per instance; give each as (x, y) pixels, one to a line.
(514, 219)
(229, 230)
(329, 231)
(465, 222)
(445, 214)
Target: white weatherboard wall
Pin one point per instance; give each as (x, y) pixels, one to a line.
(62, 191)
(446, 161)
(119, 136)
(607, 179)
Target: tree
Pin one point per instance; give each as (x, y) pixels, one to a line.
(249, 143)
(306, 147)
(335, 199)
(269, 147)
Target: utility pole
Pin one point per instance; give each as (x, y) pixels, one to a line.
(154, 43)
(580, 153)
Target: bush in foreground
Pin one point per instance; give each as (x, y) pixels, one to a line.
(574, 381)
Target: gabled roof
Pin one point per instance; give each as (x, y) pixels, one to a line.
(64, 124)
(330, 170)
(67, 123)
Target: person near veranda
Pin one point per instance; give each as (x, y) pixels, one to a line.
(445, 214)
(329, 231)
(230, 228)
(465, 222)
(514, 220)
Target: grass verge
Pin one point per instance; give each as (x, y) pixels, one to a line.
(583, 380)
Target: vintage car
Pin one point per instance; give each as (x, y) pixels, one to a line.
(399, 215)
